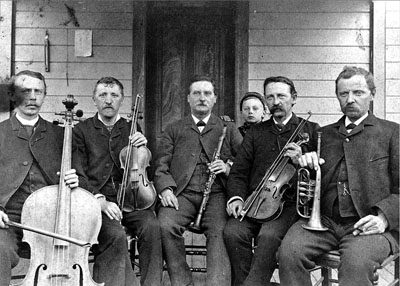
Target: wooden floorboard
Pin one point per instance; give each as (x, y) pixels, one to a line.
(385, 275)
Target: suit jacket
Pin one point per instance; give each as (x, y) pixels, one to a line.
(17, 153)
(372, 159)
(180, 147)
(95, 152)
(259, 149)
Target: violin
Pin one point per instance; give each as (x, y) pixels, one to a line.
(135, 161)
(60, 221)
(265, 203)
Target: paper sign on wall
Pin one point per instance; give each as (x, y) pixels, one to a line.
(83, 43)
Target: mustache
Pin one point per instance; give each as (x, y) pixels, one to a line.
(277, 108)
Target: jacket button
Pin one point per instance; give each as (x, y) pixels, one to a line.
(347, 140)
(25, 163)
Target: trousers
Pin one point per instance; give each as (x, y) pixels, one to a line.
(112, 263)
(173, 224)
(10, 243)
(256, 269)
(358, 254)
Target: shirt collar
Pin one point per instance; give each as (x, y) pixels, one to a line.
(205, 119)
(116, 119)
(347, 121)
(29, 122)
(284, 121)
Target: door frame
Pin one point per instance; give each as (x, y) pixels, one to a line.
(241, 52)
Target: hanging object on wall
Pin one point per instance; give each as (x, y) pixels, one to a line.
(46, 52)
(83, 43)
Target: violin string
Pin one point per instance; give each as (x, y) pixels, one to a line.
(277, 160)
(122, 190)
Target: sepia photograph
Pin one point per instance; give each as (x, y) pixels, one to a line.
(199, 143)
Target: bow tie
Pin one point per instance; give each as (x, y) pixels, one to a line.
(201, 123)
(351, 126)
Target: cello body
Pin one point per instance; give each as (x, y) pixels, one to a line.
(71, 213)
(66, 263)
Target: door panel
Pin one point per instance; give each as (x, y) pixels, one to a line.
(182, 42)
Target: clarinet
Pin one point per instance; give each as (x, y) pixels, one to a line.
(195, 225)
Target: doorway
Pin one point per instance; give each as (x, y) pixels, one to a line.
(184, 39)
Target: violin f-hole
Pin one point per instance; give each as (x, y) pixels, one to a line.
(143, 180)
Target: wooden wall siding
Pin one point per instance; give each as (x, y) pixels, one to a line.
(5, 55)
(392, 45)
(111, 23)
(308, 41)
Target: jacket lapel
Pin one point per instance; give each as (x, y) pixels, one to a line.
(99, 125)
(189, 122)
(37, 133)
(210, 124)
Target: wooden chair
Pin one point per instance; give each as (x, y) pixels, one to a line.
(330, 261)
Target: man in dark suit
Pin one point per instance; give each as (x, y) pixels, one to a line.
(260, 148)
(30, 157)
(360, 191)
(97, 144)
(183, 165)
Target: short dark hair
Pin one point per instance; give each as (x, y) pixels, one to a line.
(252, 94)
(30, 73)
(108, 80)
(282, 79)
(197, 78)
(350, 71)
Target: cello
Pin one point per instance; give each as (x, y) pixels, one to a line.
(265, 202)
(135, 161)
(65, 217)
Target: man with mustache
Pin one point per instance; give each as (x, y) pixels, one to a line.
(259, 149)
(30, 157)
(359, 191)
(252, 107)
(97, 144)
(183, 166)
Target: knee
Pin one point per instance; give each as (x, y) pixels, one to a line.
(234, 234)
(168, 225)
(150, 228)
(229, 233)
(289, 252)
(357, 264)
(268, 237)
(8, 256)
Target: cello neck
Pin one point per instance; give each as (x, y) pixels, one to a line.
(64, 193)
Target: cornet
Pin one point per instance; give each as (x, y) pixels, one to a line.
(309, 196)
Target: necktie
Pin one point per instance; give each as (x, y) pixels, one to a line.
(351, 126)
(280, 126)
(29, 130)
(201, 123)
